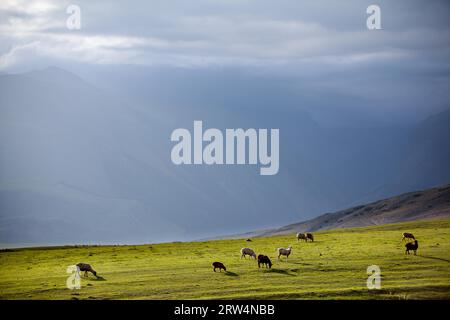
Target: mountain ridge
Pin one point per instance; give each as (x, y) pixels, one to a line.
(416, 205)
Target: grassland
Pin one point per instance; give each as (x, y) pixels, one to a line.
(333, 267)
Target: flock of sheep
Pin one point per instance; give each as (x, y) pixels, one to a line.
(264, 260)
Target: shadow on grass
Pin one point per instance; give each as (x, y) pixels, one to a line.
(309, 242)
(99, 278)
(280, 271)
(434, 258)
(297, 261)
(231, 274)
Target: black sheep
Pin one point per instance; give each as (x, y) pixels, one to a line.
(219, 265)
(264, 260)
(411, 246)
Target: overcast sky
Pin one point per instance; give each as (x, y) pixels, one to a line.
(326, 43)
(204, 33)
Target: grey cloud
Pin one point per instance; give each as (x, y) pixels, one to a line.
(233, 33)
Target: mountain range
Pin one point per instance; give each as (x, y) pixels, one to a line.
(426, 204)
(87, 160)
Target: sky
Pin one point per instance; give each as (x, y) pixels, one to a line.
(211, 33)
(348, 102)
(324, 43)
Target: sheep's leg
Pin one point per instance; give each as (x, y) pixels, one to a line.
(214, 269)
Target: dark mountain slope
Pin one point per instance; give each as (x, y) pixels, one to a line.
(425, 204)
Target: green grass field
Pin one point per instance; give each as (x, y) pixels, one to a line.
(333, 267)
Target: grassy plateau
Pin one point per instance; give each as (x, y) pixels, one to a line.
(332, 267)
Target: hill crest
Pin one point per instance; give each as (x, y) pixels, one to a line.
(417, 205)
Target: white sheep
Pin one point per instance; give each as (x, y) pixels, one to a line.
(248, 252)
(284, 252)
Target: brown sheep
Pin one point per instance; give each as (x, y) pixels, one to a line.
(219, 265)
(86, 268)
(301, 236)
(412, 246)
(407, 235)
(310, 237)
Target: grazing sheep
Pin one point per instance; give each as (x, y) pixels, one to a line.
(248, 252)
(86, 268)
(264, 260)
(284, 252)
(309, 236)
(412, 246)
(407, 235)
(219, 265)
(301, 236)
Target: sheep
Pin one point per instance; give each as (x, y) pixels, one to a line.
(264, 260)
(412, 246)
(248, 252)
(301, 236)
(407, 235)
(219, 265)
(309, 236)
(284, 252)
(86, 268)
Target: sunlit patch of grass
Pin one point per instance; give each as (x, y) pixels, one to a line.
(333, 267)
